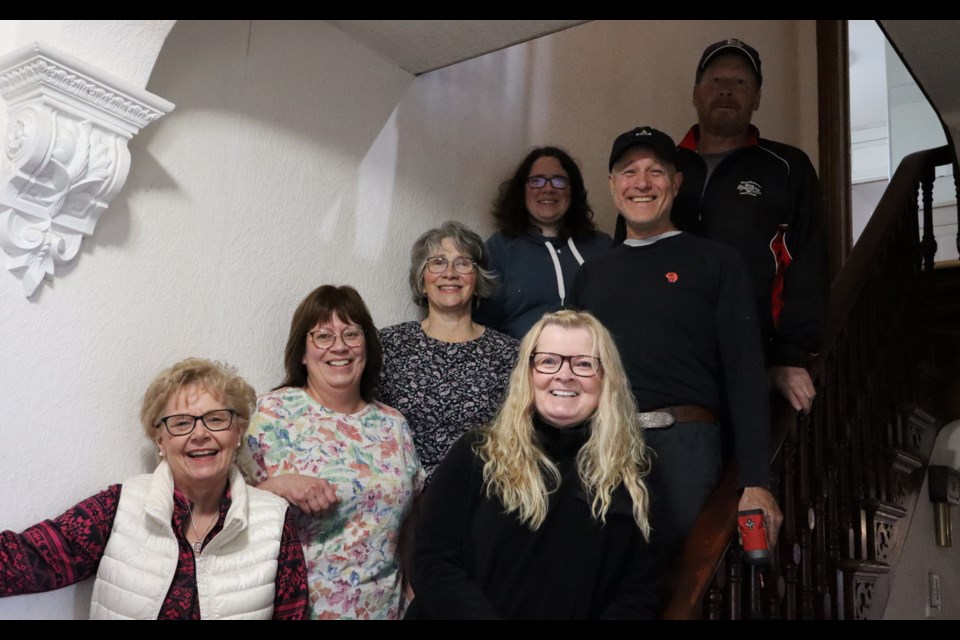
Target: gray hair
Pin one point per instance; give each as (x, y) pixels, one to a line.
(466, 241)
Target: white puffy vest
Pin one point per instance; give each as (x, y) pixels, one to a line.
(236, 571)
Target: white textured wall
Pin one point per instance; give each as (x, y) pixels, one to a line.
(296, 157)
(910, 591)
(124, 48)
(16, 33)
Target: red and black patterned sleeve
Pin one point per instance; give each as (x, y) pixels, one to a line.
(59, 552)
(292, 594)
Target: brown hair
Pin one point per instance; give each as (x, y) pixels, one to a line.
(319, 307)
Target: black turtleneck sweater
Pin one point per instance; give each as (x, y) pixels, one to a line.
(473, 561)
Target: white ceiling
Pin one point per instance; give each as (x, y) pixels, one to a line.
(929, 49)
(419, 46)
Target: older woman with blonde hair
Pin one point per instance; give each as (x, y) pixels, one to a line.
(189, 541)
(544, 513)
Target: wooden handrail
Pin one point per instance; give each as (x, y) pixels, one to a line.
(710, 538)
(847, 285)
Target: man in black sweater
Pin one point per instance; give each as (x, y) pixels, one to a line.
(682, 311)
(763, 198)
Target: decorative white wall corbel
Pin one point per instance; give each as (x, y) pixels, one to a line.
(65, 154)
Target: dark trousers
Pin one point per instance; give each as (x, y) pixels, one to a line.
(687, 465)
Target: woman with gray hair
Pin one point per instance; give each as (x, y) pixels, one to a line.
(446, 373)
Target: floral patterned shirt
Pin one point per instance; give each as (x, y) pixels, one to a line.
(444, 388)
(369, 458)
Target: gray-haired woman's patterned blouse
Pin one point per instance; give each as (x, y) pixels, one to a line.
(443, 388)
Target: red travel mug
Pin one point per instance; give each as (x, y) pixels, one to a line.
(753, 536)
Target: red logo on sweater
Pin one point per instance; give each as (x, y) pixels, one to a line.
(672, 277)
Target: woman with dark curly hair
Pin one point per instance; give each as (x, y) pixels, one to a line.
(545, 231)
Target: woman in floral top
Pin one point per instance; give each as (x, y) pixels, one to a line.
(348, 463)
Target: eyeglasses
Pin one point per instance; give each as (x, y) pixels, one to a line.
(324, 339)
(583, 366)
(438, 264)
(183, 424)
(558, 182)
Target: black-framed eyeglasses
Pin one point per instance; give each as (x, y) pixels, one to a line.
(438, 264)
(182, 424)
(558, 182)
(583, 366)
(324, 338)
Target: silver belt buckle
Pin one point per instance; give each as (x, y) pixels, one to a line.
(655, 419)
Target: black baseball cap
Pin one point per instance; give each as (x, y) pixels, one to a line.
(730, 46)
(661, 144)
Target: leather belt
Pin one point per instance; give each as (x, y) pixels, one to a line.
(668, 416)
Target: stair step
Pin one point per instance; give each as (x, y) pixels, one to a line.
(865, 590)
(885, 510)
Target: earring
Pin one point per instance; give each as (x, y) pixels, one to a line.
(160, 452)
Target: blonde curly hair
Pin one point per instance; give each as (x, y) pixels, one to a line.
(521, 476)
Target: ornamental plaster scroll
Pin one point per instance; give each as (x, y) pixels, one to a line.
(64, 157)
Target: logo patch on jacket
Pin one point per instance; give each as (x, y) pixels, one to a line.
(748, 188)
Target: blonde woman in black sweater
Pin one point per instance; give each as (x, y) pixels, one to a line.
(543, 514)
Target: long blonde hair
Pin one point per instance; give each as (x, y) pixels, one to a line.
(518, 472)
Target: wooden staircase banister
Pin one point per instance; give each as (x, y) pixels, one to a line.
(712, 535)
(851, 278)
